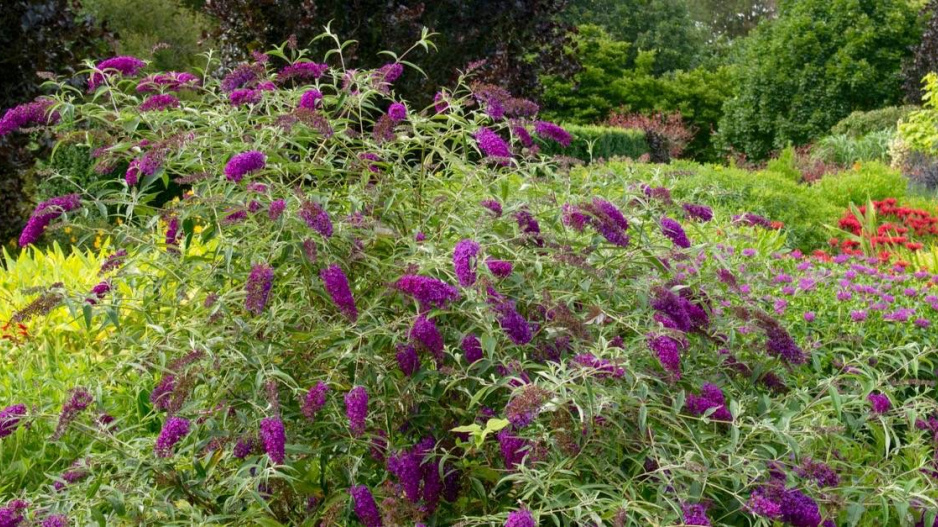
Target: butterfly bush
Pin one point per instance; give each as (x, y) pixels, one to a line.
(597, 370)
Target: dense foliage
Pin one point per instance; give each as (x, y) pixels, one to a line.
(509, 44)
(37, 36)
(607, 83)
(165, 31)
(813, 66)
(592, 142)
(364, 311)
(924, 59)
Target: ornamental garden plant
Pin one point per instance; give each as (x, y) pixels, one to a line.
(317, 304)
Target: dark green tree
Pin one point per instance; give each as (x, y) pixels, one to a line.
(664, 27)
(819, 61)
(607, 82)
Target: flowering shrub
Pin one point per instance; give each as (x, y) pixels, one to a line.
(309, 336)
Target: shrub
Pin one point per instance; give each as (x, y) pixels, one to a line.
(592, 142)
(775, 196)
(287, 343)
(859, 123)
(867, 181)
(36, 36)
(839, 57)
(666, 136)
(164, 31)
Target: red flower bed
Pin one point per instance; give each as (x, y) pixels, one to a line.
(900, 227)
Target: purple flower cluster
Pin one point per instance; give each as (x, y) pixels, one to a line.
(12, 514)
(275, 209)
(31, 113)
(314, 400)
(337, 286)
(520, 518)
(547, 130)
(426, 335)
(173, 431)
(418, 475)
(243, 75)
(698, 212)
(493, 206)
(356, 409)
(673, 230)
(44, 214)
(513, 448)
(163, 101)
(499, 268)
(711, 397)
(429, 292)
(55, 520)
(10, 418)
(274, 438)
(790, 506)
(603, 367)
(124, 66)
(316, 218)
(407, 359)
(365, 507)
(245, 96)
(471, 348)
(879, 403)
(302, 71)
(440, 104)
(753, 220)
(492, 145)
(464, 262)
(76, 404)
(512, 323)
(695, 514)
(310, 99)
(170, 81)
(668, 352)
(822, 474)
(258, 288)
(397, 112)
(603, 216)
(243, 164)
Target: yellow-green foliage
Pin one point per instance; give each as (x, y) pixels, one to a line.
(872, 180)
(26, 276)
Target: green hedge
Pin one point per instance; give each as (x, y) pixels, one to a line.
(608, 142)
(858, 124)
(805, 210)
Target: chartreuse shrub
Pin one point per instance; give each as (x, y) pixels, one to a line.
(361, 312)
(599, 142)
(859, 124)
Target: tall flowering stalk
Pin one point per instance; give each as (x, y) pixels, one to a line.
(44, 214)
(464, 262)
(173, 431)
(243, 164)
(258, 288)
(274, 438)
(356, 409)
(338, 288)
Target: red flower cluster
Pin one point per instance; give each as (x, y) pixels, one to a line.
(904, 226)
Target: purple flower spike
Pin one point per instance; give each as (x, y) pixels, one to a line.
(310, 99)
(674, 232)
(471, 348)
(365, 507)
(173, 431)
(429, 292)
(499, 268)
(314, 400)
(547, 130)
(258, 288)
(492, 145)
(397, 112)
(243, 164)
(44, 214)
(274, 438)
(10, 418)
(356, 409)
(338, 288)
(464, 262)
(879, 403)
(520, 518)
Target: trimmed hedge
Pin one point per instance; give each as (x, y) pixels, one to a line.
(858, 124)
(608, 142)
